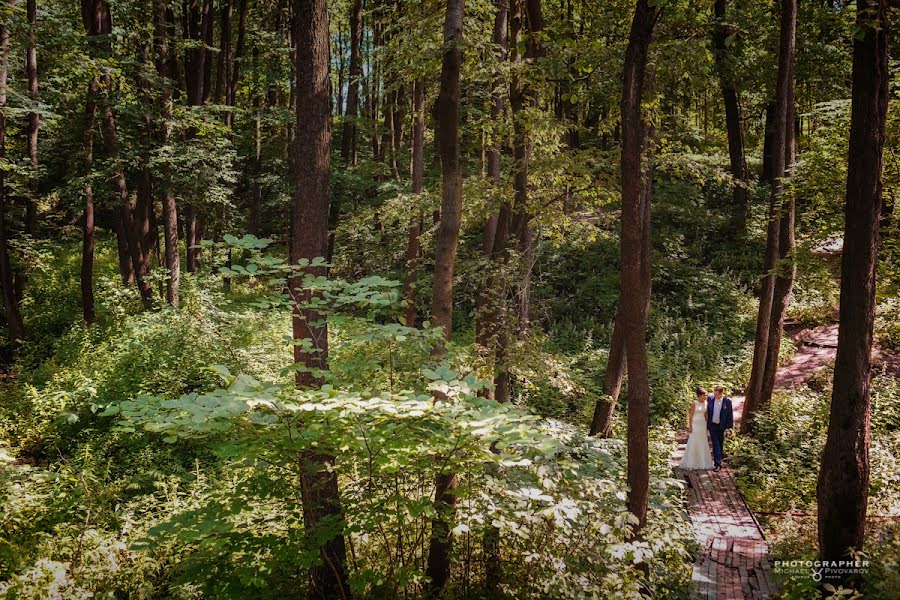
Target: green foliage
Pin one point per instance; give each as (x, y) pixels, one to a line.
(777, 471)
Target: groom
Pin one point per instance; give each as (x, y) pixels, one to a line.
(718, 418)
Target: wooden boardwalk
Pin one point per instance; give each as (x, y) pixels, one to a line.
(733, 560)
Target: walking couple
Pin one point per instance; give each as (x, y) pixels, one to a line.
(708, 413)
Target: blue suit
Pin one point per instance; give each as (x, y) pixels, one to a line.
(717, 430)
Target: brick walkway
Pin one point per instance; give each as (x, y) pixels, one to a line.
(733, 561)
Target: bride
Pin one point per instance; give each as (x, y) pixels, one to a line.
(696, 453)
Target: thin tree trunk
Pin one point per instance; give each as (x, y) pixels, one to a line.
(126, 267)
(340, 78)
(496, 231)
(33, 124)
(88, 238)
(196, 22)
(413, 246)
(375, 83)
(143, 215)
(231, 93)
(348, 137)
(522, 95)
(605, 408)
(164, 26)
(10, 300)
(192, 239)
(438, 565)
(223, 61)
(129, 242)
(844, 476)
(768, 136)
(741, 195)
(319, 483)
(206, 32)
(634, 259)
(755, 400)
(486, 320)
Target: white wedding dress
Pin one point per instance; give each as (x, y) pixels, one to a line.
(696, 453)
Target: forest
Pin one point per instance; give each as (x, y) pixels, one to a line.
(350, 299)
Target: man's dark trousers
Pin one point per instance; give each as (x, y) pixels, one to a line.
(717, 435)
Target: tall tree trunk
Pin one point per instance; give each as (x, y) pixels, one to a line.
(33, 124)
(496, 231)
(348, 136)
(223, 61)
(196, 24)
(319, 484)
(340, 78)
(768, 137)
(780, 155)
(144, 215)
(522, 95)
(785, 269)
(129, 241)
(527, 17)
(253, 219)
(844, 476)
(604, 409)
(88, 238)
(374, 79)
(207, 29)
(496, 228)
(634, 258)
(10, 300)
(231, 92)
(741, 193)
(164, 28)
(438, 566)
(413, 246)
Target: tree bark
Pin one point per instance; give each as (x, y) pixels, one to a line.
(741, 194)
(348, 136)
(319, 484)
(164, 27)
(844, 476)
(634, 258)
(14, 321)
(438, 565)
(755, 400)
